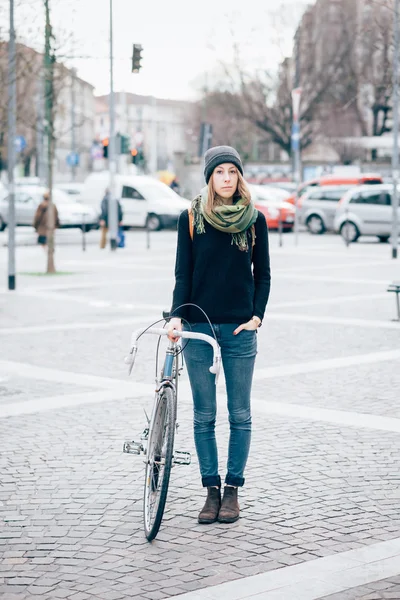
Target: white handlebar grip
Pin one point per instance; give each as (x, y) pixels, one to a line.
(214, 369)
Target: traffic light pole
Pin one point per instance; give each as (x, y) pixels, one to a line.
(395, 157)
(112, 201)
(12, 102)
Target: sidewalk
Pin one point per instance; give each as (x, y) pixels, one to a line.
(320, 509)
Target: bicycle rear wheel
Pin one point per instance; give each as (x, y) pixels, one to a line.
(160, 450)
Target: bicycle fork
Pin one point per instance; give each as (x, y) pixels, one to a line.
(168, 375)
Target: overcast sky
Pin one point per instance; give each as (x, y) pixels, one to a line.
(181, 39)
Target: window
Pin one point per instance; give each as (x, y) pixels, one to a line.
(131, 193)
(372, 198)
(22, 198)
(333, 195)
(316, 195)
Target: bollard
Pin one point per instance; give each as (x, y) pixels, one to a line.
(83, 233)
(147, 233)
(280, 229)
(347, 240)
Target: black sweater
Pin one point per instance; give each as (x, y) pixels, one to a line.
(213, 273)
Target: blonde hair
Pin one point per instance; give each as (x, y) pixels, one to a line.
(242, 191)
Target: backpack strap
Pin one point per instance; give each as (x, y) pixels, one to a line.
(191, 222)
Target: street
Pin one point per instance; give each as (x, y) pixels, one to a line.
(320, 512)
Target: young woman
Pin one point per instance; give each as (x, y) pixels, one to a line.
(222, 266)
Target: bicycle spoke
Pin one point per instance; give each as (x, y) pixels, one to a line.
(159, 462)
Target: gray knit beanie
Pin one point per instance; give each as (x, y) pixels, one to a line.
(219, 155)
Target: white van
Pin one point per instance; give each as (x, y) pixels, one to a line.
(144, 200)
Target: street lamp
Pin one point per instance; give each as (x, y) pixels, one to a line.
(112, 204)
(296, 96)
(12, 102)
(395, 157)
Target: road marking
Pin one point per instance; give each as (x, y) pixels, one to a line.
(29, 371)
(339, 362)
(343, 418)
(107, 282)
(369, 323)
(365, 263)
(332, 300)
(312, 579)
(135, 391)
(128, 321)
(327, 279)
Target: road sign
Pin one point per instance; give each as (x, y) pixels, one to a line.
(296, 96)
(73, 159)
(20, 143)
(295, 136)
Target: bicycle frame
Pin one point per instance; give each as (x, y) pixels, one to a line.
(159, 437)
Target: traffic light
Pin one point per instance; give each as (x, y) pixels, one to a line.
(105, 147)
(125, 144)
(135, 156)
(136, 58)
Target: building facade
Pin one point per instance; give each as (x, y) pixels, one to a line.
(73, 109)
(343, 57)
(159, 127)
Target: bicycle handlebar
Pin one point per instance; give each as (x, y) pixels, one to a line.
(215, 367)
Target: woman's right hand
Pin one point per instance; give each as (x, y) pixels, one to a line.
(174, 323)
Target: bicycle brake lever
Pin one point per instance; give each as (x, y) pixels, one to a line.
(130, 359)
(215, 369)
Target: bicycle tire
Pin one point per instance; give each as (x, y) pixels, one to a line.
(159, 458)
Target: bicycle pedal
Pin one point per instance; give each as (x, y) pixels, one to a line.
(132, 448)
(145, 434)
(182, 458)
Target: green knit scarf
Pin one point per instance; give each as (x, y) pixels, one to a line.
(235, 219)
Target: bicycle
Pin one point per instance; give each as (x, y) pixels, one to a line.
(157, 440)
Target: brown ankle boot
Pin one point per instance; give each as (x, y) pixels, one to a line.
(230, 510)
(209, 512)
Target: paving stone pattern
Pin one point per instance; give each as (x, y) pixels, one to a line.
(71, 502)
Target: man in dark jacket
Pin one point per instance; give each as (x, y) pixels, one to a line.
(104, 218)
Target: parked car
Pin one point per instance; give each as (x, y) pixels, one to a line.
(362, 179)
(365, 210)
(144, 199)
(317, 207)
(72, 189)
(288, 186)
(71, 214)
(273, 208)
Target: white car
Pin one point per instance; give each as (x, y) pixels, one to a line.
(71, 214)
(72, 189)
(366, 210)
(317, 207)
(144, 199)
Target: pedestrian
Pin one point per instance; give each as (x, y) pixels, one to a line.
(41, 219)
(223, 267)
(104, 217)
(174, 185)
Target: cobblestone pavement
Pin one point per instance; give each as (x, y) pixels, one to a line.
(323, 474)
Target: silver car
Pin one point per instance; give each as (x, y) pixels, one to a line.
(317, 207)
(366, 210)
(28, 198)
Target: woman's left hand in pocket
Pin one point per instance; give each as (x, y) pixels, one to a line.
(249, 326)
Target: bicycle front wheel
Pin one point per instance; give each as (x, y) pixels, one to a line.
(159, 458)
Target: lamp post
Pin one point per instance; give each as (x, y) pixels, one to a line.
(296, 97)
(12, 102)
(395, 157)
(112, 204)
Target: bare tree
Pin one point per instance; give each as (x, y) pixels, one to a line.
(343, 65)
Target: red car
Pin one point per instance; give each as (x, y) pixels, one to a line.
(274, 208)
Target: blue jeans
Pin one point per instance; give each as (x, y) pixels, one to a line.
(238, 358)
